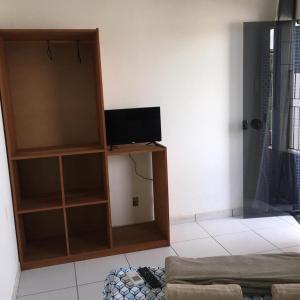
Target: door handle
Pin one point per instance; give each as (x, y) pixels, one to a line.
(245, 124)
(256, 124)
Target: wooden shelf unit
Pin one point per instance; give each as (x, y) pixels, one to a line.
(52, 105)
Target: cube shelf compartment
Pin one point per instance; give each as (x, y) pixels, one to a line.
(87, 226)
(155, 232)
(136, 234)
(39, 183)
(84, 178)
(44, 235)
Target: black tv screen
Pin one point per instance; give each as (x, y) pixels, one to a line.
(134, 125)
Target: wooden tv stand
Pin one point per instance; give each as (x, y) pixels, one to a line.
(52, 105)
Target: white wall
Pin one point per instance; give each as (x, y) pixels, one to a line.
(124, 184)
(185, 56)
(9, 262)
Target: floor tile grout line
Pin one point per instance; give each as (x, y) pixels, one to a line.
(214, 239)
(208, 234)
(263, 228)
(211, 235)
(255, 232)
(292, 224)
(250, 230)
(93, 282)
(174, 250)
(130, 266)
(76, 281)
(199, 238)
(46, 292)
(286, 248)
(279, 220)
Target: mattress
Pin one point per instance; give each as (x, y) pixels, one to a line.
(118, 287)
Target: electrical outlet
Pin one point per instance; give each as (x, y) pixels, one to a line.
(135, 201)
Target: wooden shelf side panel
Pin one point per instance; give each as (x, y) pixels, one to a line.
(99, 90)
(102, 131)
(5, 96)
(160, 189)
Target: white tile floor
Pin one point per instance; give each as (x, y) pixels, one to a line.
(84, 280)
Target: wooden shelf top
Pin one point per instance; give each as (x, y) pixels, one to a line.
(56, 151)
(48, 34)
(45, 249)
(135, 149)
(88, 241)
(83, 198)
(40, 203)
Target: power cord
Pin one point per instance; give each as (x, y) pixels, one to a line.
(136, 171)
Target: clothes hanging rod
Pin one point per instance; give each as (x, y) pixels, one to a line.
(51, 41)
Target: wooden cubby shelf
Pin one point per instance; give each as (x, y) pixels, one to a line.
(40, 203)
(38, 182)
(90, 198)
(56, 151)
(143, 233)
(44, 235)
(155, 233)
(87, 228)
(84, 179)
(53, 112)
(135, 149)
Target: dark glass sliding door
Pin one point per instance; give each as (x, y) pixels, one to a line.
(271, 118)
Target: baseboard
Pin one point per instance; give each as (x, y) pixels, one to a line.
(226, 213)
(219, 214)
(237, 212)
(16, 284)
(183, 219)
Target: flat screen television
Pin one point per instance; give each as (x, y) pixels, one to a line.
(134, 125)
